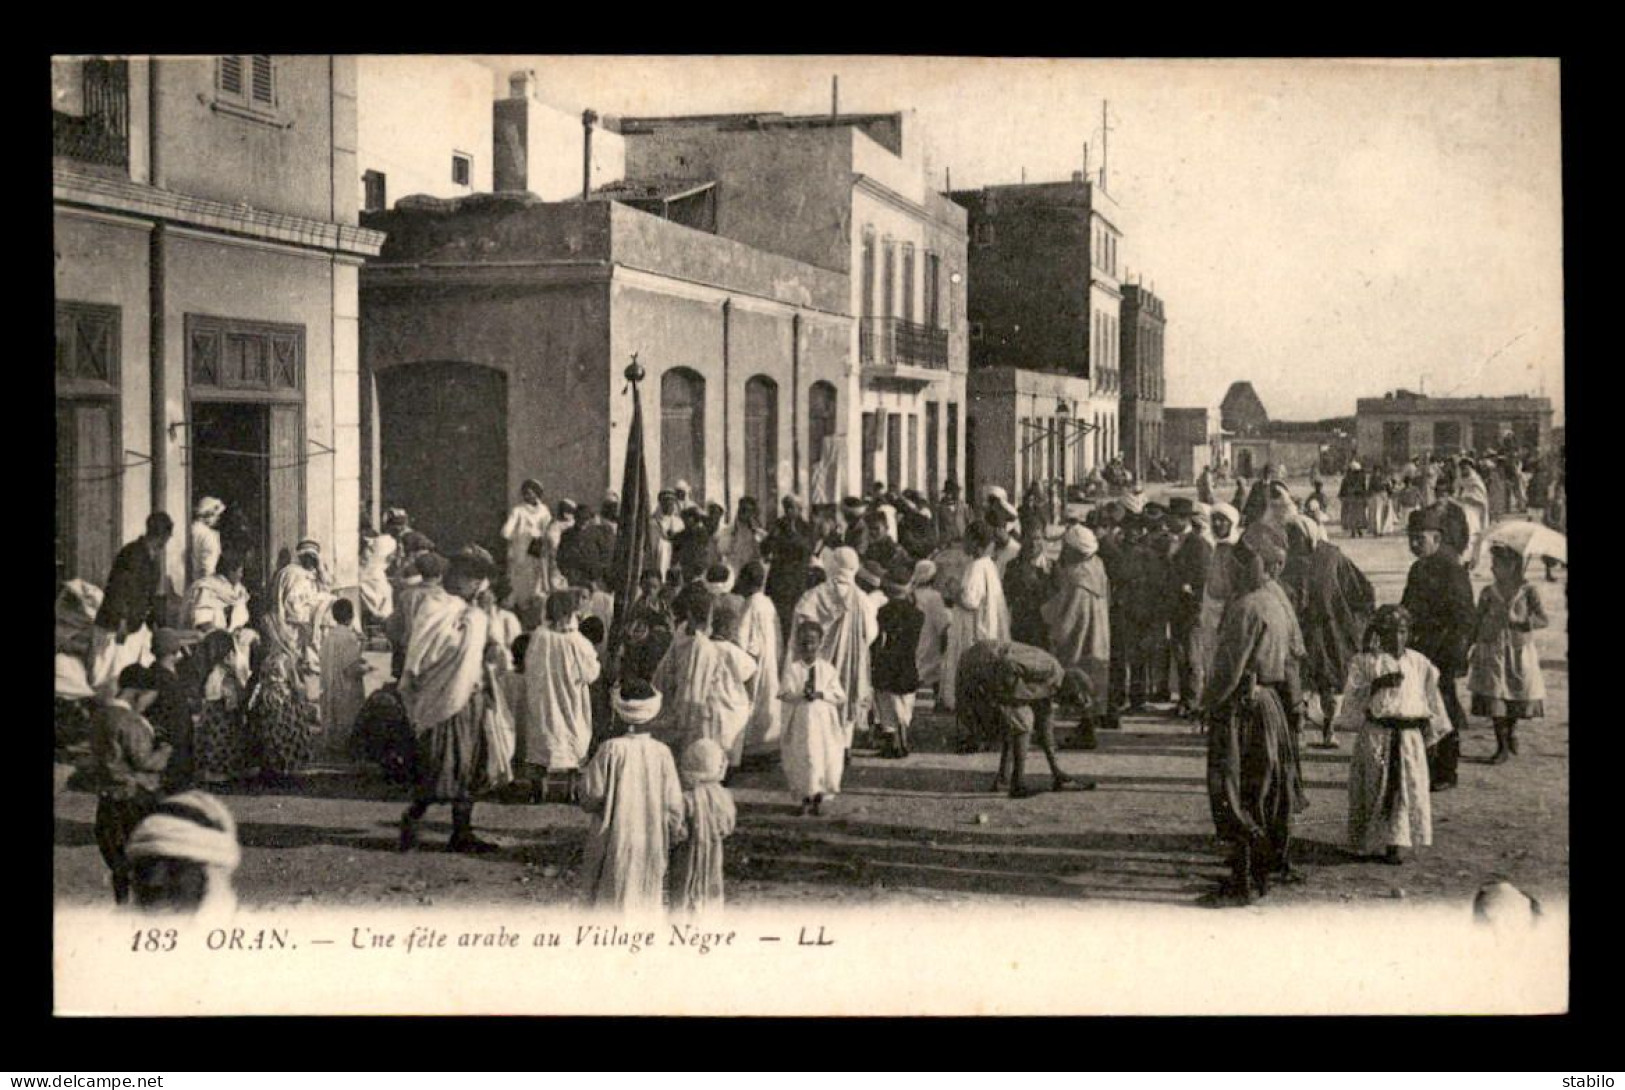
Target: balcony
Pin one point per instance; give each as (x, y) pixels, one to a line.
(96, 127)
(893, 342)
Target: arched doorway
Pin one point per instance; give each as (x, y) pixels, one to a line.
(444, 449)
(762, 443)
(682, 431)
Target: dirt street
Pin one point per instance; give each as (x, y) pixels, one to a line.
(926, 828)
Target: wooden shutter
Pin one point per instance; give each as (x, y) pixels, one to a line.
(894, 449)
(87, 483)
(913, 468)
(264, 83)
(231, 74)
(286, 480)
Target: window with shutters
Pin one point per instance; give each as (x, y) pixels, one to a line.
(246, 84)
(462, 168)
(374, 191)
(89, 458)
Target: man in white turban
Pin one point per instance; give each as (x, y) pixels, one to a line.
(183, 854)
(632, 790)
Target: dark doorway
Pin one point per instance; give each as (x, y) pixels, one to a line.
(1244, 463)
(894, 450)
(968, 486)
(230, 460)
(682, 431)
(444, 450)
(762, 443)
(1396, 442)
(932, 425)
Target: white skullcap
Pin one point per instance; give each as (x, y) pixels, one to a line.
(209, 505)
(193, 826)
(1081, 539)
(845, 560)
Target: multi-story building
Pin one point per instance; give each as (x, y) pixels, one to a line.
(1401, 425)
(1045, 296)
(423, 127)
(207, 254)
(848, 194)
(1143, 385)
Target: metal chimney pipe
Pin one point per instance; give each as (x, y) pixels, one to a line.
(587, 120)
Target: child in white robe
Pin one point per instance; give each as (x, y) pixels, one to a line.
(710, 814)
(1392, 699)
(814, 745)
(342, 678)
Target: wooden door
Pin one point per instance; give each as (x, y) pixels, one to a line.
(444, 449)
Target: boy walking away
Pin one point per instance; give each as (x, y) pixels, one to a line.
(129, 763)
(709, 812)
(560, 665)
(896, 674)
(343, 671)
(1392, 699)
(814, 737)
(1503, 673)
(632, 791)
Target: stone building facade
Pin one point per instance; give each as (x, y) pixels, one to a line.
(1143, 377)
(1402, 425)
(207, 254)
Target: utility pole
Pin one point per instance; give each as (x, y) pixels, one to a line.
(1105, 143)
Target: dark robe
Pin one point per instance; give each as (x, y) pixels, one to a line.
(892, 655)
(997, 677)
(917, 533)
(1255, 783)
(132, 595)
(787, 550)
(1334, 601)
(1026, 588)
(1439, 597)
(1190, 564)
(952, 519)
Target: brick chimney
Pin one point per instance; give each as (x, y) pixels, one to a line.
(522, 84)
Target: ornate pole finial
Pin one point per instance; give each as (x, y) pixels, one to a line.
(634, 370)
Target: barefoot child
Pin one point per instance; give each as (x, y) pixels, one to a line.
(814, 740)
(709, 810)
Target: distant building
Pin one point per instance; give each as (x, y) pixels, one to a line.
(1403, 425)
(1143, 385)
(207, 253)
(1242, 412)
(496, 330)
(1188, 439)
(850, 194)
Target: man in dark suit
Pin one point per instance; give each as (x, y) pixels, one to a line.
(132, 602)
(1439, 597)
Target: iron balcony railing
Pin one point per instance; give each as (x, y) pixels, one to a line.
(884, 342)
(102, 133)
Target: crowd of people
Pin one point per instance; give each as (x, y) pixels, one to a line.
(799, 635)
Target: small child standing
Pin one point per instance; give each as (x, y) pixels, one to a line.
(129, 765)
(710, 814)
(893, 665)
(1503, 667)
(814, 742)
(560, 665)
(343, 671)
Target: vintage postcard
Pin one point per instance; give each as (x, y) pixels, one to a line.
(837, 535)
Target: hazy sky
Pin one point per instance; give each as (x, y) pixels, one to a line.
(1327, 229)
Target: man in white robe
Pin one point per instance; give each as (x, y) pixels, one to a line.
(632, 790)
(205, 538)
(759, 635)
(300, 597)
(560, 664)
(980, 610)
(850, 621)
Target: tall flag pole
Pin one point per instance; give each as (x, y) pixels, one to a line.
(634, 544)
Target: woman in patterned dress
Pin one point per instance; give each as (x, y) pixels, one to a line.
(220, 740)
(282, 719)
